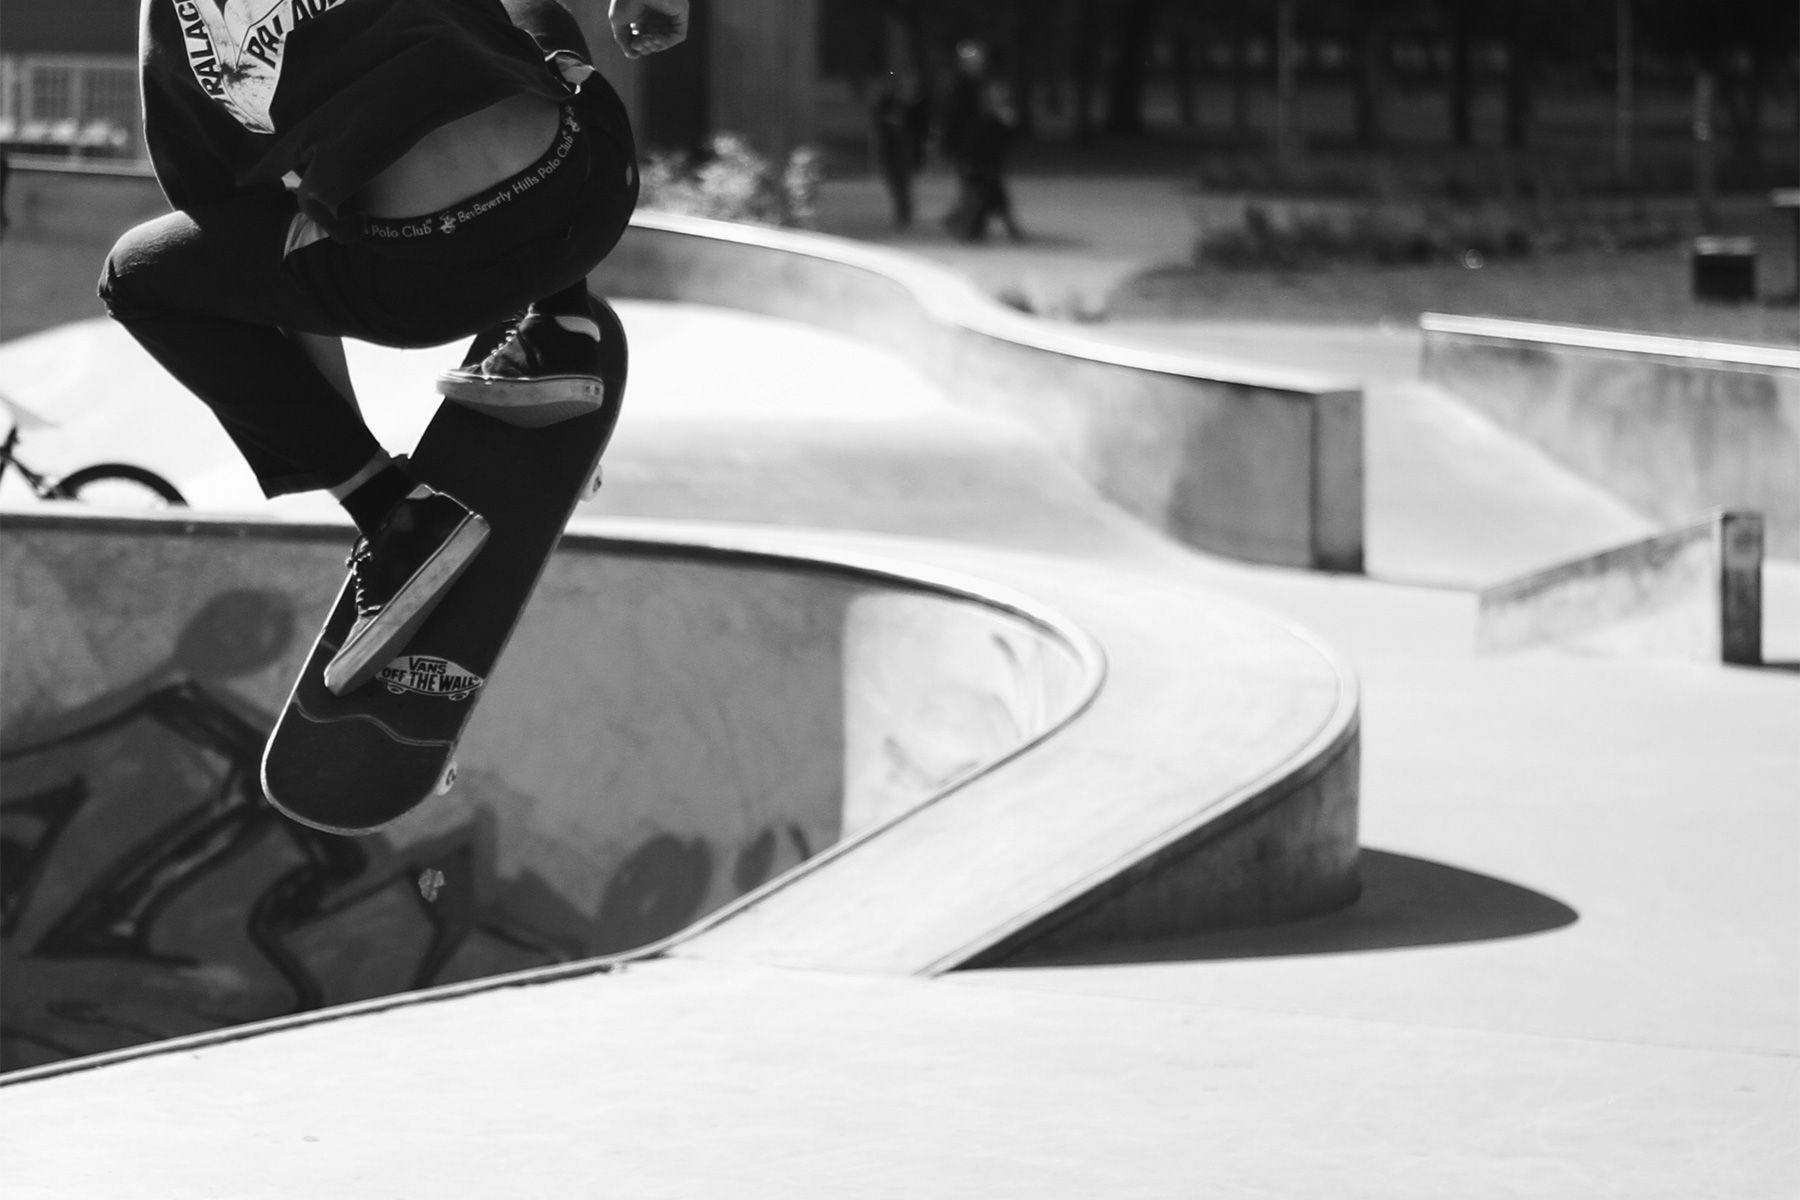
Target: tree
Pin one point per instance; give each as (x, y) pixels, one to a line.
(1370, 37)
(1462, 19)
(1133, 29)
(1743, 46)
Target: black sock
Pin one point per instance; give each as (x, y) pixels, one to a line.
(369, 504)
(572, 301)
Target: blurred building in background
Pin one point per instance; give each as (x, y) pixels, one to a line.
(68, 84)
(1615, 88)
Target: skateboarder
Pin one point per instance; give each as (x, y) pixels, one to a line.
(405, 172)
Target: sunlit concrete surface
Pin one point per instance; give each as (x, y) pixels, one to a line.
(1693, 592)
(683, 1079)
(1250, 460)
(1572, 970)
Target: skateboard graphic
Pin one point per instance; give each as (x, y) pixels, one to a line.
(352, 764)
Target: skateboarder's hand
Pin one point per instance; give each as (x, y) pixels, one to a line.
(644, 27)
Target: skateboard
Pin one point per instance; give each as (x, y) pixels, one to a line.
(352, 764)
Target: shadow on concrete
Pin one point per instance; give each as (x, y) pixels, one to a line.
(1405, 902)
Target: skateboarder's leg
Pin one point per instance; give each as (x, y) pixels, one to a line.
(217, 295)
(206, 295)
(214, 298)
(211, 296)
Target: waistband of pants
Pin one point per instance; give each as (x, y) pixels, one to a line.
(560, 169)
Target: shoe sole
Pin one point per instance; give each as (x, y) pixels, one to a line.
(529, 404)
(362, 657)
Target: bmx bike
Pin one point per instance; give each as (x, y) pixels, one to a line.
(117, 485)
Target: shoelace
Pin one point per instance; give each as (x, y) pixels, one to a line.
(516, 328)
(360, 557)
(513, 329)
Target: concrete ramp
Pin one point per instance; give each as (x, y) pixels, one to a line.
(1693, 592)
(674, 726)
(706, 742)
(718, 743)
(1674, 426)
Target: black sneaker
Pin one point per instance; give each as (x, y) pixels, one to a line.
(545, 368)
(400, 573)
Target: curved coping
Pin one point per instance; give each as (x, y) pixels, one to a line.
(1318, 751)
(737, 546)
(1309, 756)
(742, 547)
(59, 163)
(953, 300)
(1161, 433)
(1697, 351)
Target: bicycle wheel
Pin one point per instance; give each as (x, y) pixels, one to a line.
(120, 485)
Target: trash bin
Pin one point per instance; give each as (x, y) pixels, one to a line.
(1724, 268)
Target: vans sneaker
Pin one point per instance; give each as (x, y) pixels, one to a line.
(545, 369)
(400, 573)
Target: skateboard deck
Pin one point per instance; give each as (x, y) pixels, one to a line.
(352, 764)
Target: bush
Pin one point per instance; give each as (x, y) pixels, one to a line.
(1292, 235)
(1469, 206)
(732, 182)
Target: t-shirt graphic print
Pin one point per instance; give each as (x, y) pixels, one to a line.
(235, 50)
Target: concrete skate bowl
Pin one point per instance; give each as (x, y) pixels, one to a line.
(736, 745)
(675, 725)
(1252, 462)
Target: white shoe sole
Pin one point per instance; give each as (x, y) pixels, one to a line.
(530, 403)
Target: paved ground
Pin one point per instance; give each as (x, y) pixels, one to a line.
(1575, 971)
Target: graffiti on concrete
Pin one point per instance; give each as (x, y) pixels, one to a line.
(149, 891)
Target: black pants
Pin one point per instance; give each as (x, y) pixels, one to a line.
(213, 298)
(982, 197)
(897, 175)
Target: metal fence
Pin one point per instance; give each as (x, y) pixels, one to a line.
(71, 106)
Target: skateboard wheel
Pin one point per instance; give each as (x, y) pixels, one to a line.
(447, 780)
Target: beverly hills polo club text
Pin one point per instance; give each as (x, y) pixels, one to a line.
(448, 220)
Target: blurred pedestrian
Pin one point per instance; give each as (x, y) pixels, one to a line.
(899, 123)
(961, 114)
(984, 180)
